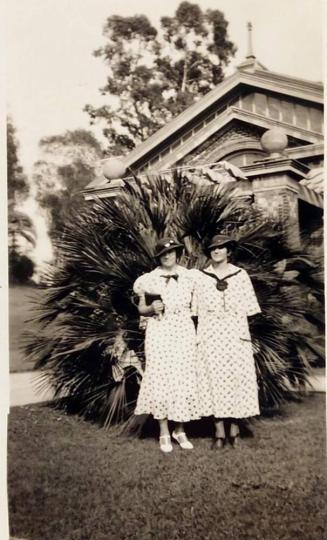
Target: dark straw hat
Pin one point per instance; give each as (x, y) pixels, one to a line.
(167, 244)
(220, 240)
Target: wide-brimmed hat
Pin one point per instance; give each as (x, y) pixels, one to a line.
(167, 244)
(220, 240)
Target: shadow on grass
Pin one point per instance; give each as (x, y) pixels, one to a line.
(146, 427)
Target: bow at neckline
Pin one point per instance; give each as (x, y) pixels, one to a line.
(168, 277)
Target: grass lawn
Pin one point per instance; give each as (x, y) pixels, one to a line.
(20, 310)
(70, 480)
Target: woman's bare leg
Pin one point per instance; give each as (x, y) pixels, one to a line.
(179, 427)
(220, 434)
(234, 433)
(220, 429)
(163, 426)
(234, 429)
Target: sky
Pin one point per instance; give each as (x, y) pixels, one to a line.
(51, 73)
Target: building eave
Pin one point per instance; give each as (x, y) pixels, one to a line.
(306, 152)
(282, 84)
(264, 80)
(229, 115)
(111, 189)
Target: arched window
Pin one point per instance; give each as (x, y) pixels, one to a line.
(246, 157)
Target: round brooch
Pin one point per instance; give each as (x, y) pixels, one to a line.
(221, 285)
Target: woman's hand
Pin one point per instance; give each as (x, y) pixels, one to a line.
(157, 307)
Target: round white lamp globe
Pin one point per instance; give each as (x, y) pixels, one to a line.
(274, 141)
(113, 168)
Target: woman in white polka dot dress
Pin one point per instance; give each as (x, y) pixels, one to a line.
(169, 387)
(226, 299)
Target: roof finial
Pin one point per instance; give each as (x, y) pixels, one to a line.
(250, 47)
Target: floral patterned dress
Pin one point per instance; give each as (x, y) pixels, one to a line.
(169, 387)
(226, 363)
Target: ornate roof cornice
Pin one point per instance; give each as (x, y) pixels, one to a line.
(259, 79)
(300, 88)
(229, 115)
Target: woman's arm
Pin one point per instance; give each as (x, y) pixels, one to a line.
(249, 298)
(155, 308)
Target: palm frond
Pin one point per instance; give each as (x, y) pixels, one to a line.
(86, 308)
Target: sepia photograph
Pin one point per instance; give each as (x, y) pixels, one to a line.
(164, 270)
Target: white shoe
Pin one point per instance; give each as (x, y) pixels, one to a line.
(182, 440)
(165, 444)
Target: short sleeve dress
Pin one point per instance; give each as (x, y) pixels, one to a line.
(169, 387)
(226, 363)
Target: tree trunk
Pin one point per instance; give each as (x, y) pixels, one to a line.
(185, 72)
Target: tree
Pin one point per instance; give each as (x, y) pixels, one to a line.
(21, 231)
(154, 75)
(69, 164)
(21, 238)
(17, 185)
(88, 344)
(21, 268)
(20, 226)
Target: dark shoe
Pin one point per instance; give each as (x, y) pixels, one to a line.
(218, 443)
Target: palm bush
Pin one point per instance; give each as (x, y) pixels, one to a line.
(88, 344)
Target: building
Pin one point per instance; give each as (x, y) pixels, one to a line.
(267, 124)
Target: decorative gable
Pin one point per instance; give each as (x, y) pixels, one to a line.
(228, 122)
(256, 109)
(238, 143)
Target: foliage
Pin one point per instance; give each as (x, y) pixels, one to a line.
(21, 268)
(20, 226)
(21, 231)
(17, 184)
(89, 345)
(154, 75)
(79, 138)
(69, 164)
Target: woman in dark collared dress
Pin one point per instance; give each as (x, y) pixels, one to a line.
(226, 299)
